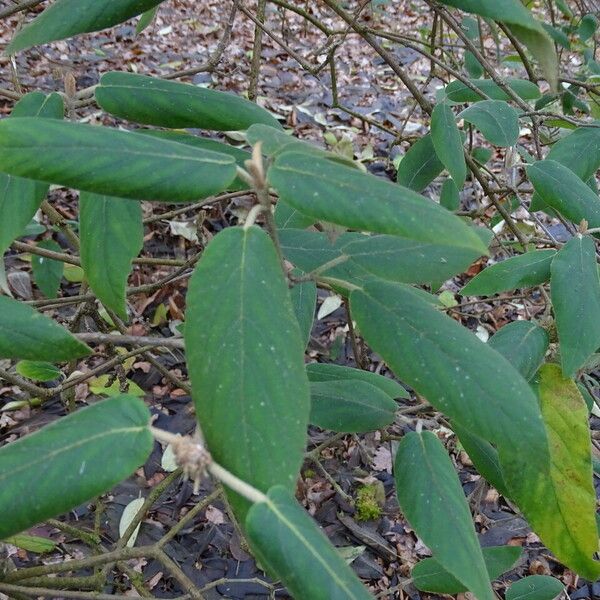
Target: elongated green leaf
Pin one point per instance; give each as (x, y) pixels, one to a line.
(575, 291)
(525, 270)
(562, 190)
(522, 24)
(112, 235)
(566, 416)
(71, 461)
(155, 101)
(497, 120)
(448, 143)
(330, 372)
(245, 356)
(433, 501)
(350, 406)
(37, 370)
(294, 549)
(21, 198)
(420, 165)
(47, 272)
(26, 333)
(145, 20)
(535, 587)
(304, 301)
(66, 18)
(429, 576)
(240, 156)
(359, 257)
(365, 202)
(450, 196)
(484, 456)
(32, 543)
(457, 91)
(112, 162)
(454, 370)
(523, 344)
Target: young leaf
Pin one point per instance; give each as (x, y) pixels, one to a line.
(366, 202)
(350, 406)
(37, 370)
(293, 548)
(566, 417)
(145, 20)
(111, 237)
(304, 301)
(330, 372)
(155, 101)
(80, 456)
(112, 162)
(497, 121)
(565, 192)
(453, 369)
(535, 587)
(47, 272)
(66, 18)
(457, 91)
(575, 289)
(21, 198)
(523, 344)
(434, 503)
(31, 543)
(429, 576)
(28, 334)
(524, 270)
(245, 356)
(523, 26)
(448, 143)
(420, 165)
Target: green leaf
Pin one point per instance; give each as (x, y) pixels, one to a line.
(291, 546)
(578, 151)
(365, 202)
(566, 417)
(21, 198)
(523, 344)
(28, 334)
(287, 217)
(112, 235)
(112, 162)
(420, 165)
(454, 370)
(429, 576)
(47, 272)
(304, 301)
(565, 192)
(240, 156)
(155, 101)
(38, 370)
(247, 368)
(497, 121)
(473, 66)
(145, 20)
(433, 501)
(575, 289)
(350, 406)
(587, 27)
(330, 372)
(66, 18)
(523, 26)
(450, 196)
(100, 386)
(448, 143)
(457, 91)
(535, 587)
(31, 543)
(484, 456)
(524, 270)
(80, 456)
